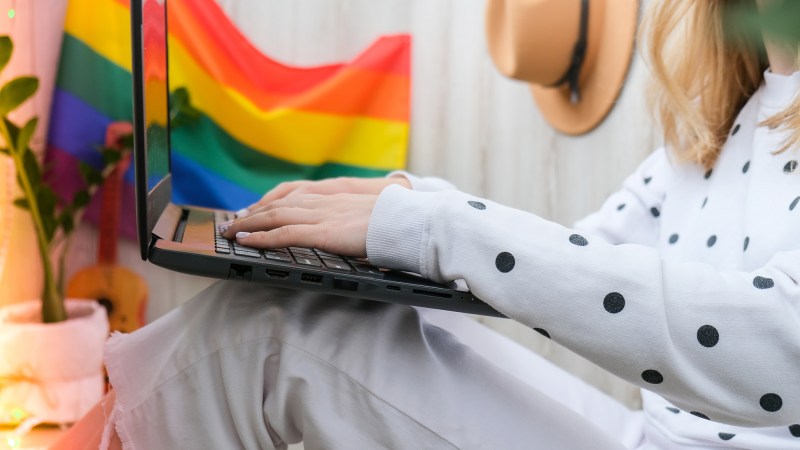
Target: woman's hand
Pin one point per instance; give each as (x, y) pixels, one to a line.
(343, 185)
(333, 223)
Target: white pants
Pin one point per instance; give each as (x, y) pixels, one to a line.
(245, 366)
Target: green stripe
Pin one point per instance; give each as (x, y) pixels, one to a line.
(107, 88)
(95, 80)
(213, 148)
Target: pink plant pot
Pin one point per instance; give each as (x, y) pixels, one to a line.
(53, 372)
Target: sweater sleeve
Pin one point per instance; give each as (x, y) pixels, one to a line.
(722, 345)
(423, 184)
(630, 215)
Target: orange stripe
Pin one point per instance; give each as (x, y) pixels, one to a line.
(219, 47)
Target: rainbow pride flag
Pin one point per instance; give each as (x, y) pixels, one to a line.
(262, 122)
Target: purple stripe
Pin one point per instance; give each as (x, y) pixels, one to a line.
(77, 128)
(67, 180)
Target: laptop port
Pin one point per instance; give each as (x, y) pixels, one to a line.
(277, 273)
(239, 272)
(392, 287)
(345, 285)
(311, 278)
(432, 293)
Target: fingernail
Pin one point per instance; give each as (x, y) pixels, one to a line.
(224, 226)
(244, 212)
(242, 234)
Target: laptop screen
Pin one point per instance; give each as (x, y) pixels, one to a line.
(156, 108)
(151, 115)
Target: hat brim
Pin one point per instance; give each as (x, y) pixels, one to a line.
(600, 87)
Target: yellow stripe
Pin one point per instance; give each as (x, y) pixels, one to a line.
(103, 25)
(294, 136)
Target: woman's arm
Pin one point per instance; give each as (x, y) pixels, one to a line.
(725, 345)
(631, 215)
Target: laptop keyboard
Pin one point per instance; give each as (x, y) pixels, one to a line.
(308, 257)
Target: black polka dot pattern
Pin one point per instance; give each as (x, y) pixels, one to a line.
(614, 302)
(746, 243)
(763, 283)
(700, 415)
(726, 436)
(771, 402)
(648, 180)
(578, 240)
(711, 241)
(790, 166)
(794, 204)
(655, 212)
(652, 376)
(673, 410)
(746, 167)
(542, 332)
(705, 200)
(707, 336)
(708, 174)
(795, 430)
(673, 239)
(735, 129)
(621, 207)
(505, 262)
(477, 205)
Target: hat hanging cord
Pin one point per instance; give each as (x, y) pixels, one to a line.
(578, 55)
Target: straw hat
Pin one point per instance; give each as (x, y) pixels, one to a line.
(575, 53)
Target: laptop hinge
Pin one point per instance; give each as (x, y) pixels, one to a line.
(168, 222)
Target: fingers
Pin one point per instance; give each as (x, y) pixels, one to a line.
(270, 219)
(280, 191)
(304, 235)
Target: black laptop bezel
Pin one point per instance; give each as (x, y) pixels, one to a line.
(149, 204)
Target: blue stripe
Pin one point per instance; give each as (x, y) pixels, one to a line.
(193, 184)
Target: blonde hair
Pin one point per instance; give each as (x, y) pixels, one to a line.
(704, 70)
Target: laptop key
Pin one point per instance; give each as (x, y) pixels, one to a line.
(308, 261)
(367, 269)
(277, 257)
(302, 251)
(333, 258)
(224, 251)
(334, 265)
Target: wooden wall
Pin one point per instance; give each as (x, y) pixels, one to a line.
(469, 125)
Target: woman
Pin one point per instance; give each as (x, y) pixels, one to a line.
(701, 308)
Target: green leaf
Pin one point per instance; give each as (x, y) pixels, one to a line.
(90, 175)
(110, 156)
(26, 133)
(66, 221)
(80, 200)
(126, 141)
(47, 207)
(22, 203)
(47, 201)
(6, 49)
(15, 92)
(31, 166)
(181, 111)
(13, 132)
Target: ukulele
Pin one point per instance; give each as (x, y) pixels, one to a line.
(120, 290)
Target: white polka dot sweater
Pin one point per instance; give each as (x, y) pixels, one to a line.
(684, 283)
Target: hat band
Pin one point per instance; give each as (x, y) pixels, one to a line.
(578, 56)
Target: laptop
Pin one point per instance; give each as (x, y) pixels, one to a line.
(185, 238)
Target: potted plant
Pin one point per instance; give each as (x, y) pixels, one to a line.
(50, 349)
